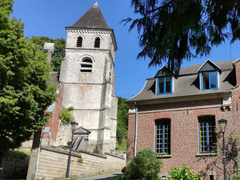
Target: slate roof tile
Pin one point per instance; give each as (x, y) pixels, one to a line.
(92, 19)
(187, 84)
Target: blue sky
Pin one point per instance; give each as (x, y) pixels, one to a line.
(50, 17)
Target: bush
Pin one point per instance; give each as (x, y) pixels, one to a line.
(119, 135)
(16, 154)
(237, 177)
(96, 150)
(183, 174)
(80, 160)
(65, 115)
(144, 166)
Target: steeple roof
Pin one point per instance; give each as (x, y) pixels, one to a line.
(93, 18)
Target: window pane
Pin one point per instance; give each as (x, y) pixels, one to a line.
(167, 138)
(206, 134)
(205, 80)
(161, 85)
(212, 135)
(163, 136)
(213, 77)
(168, 84)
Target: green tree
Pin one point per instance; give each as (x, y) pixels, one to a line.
(122, 117)
(173, 30)
(59, 50)
(25, 88)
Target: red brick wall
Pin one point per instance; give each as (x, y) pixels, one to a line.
(184, 129)
(237, 71)
(131, 133)
(54, 120)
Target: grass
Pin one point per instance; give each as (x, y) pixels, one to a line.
(123, 145)
(16, 154)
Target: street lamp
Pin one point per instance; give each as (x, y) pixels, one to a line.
(73, 126)
(223, 124)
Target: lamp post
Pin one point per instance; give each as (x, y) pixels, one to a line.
(73, 126)
(223, 124)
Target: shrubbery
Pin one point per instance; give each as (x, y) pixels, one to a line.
(144, 166)
(65, 115)
(183, 174)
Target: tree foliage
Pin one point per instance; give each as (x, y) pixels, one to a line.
(122, 119)
(173, 30)
(59, 50)
(25, 88)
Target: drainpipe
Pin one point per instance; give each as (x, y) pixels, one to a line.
(135, 139)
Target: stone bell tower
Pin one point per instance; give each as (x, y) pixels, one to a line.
(88, 79)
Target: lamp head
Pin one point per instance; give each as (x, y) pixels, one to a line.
(223, 124)
(73, 125)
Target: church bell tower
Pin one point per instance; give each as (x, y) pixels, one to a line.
(88, 79)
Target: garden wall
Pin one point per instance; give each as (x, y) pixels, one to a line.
(53, 163)
(7, 167)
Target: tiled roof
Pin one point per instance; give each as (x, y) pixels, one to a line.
(187, 84)
(92, 19)
(224, 65)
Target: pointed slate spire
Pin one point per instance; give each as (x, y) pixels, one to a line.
(96, 4)
(93, 18)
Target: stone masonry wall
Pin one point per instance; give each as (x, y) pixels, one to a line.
(53, 163)
(7, 167)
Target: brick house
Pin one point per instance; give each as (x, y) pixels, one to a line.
(177, 116)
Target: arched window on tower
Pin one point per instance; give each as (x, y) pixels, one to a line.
(86, 65)
(97, 42)
(79, 41)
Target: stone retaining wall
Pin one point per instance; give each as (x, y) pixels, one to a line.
(53, 163)
(7, 167)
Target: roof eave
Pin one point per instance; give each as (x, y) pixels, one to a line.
(180, 98)
(235, 62)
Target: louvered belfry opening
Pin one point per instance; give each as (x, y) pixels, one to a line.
(79, 41)
(86, 65)
(97, 42)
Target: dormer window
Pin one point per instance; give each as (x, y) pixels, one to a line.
(164, 82)
(164, 85)
(86, 65)
(209, 80)
(97, 42)
(79, 41)
(209, 73)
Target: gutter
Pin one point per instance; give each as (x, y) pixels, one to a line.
(135, 139)
(171, 99)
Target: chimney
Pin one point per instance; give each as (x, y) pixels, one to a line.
(236, 64)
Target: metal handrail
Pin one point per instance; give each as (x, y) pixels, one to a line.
(22, 162)
(27, 160)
